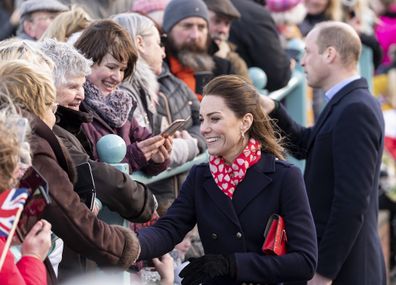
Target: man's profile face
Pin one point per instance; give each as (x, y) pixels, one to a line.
(314, 62)
(190, 33)
(219, 26)
(38, 23)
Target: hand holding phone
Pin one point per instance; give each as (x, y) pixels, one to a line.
(38, 241)
(175, 126)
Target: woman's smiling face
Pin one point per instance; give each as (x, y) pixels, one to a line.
(221, 128)
(107, 75)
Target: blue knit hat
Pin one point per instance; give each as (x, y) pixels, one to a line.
(178, 10)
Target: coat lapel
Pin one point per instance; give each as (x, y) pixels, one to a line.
(219, 198)
(360, 83)
(254, 183)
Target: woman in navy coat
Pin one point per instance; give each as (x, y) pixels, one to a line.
(232, 197)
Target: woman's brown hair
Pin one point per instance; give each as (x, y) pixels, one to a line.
(106, 36)
(242, 98)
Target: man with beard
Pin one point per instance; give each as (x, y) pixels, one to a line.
(221, 14)
(187, 46)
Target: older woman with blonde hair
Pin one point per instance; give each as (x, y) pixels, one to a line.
(33, 91)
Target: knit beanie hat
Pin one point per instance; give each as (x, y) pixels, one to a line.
(178, 10)
(147, 6)
(31, 6)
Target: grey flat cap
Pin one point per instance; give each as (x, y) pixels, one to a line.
(224, 7)
(31, 6)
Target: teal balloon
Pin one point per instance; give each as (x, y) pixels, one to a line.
(258, 77)
(296, 44)
(111, 148)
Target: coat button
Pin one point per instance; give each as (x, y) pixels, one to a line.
(214, 236)
(238, 235)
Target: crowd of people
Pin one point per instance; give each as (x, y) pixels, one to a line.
(72, 72)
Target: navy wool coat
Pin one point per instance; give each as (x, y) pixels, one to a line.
(236, 226)
(343, 156)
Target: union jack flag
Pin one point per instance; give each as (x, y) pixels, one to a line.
(11, 202)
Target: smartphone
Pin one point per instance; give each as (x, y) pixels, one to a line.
(36, 202)
(85, 185)
(175, 126)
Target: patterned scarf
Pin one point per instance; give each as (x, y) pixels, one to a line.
(113, 108)
(227, 176)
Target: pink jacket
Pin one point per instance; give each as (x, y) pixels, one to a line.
(385, 32)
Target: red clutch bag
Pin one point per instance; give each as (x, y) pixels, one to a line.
(275, 236)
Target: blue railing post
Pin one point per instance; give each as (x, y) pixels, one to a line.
(366, 66)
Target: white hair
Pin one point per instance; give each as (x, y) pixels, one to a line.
(68, 61)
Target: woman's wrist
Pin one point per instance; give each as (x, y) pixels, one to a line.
(36, 256)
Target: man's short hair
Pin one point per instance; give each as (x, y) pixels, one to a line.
(342, 37)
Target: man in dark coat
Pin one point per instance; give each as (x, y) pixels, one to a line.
(343, 156)
(257, 42)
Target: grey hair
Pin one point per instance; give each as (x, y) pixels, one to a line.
(135, 24)
(68, 61)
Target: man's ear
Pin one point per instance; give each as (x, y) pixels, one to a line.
(330, 54)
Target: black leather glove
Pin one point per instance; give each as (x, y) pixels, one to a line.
(207, 267)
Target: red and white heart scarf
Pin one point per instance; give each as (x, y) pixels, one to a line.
(226, 176)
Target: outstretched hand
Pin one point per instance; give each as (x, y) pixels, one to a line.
(164, 266)
(207, 267)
